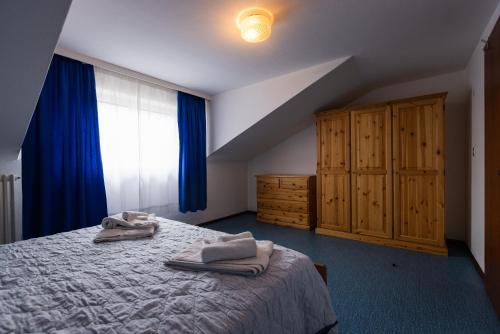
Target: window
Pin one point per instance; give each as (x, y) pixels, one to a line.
(139, 143)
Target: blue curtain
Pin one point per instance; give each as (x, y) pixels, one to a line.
(192, 153)
(63, 183)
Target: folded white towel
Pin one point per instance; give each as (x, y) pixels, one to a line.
(229, 237)
(116, 221)
(190, 259)
(228, 250)
(135, 215)
(117, 234)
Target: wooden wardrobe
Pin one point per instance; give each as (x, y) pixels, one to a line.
(380, 173)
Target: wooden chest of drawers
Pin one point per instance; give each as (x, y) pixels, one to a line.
(288, 200)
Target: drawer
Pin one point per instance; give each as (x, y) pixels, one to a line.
(284, 194)
(291, 206)
(265, 184)
(283, 217)
(299, 183)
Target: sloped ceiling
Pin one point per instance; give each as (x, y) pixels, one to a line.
(196, 44)
(342, 85)
(29, 31)
(338, 87)
(236, 110)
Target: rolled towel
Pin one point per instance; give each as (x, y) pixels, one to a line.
(228, 250)
(116, 221)
(190, 259)
(117, 234)
(135, 215)
(229, 237)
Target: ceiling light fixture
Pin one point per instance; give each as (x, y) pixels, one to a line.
(255, 24)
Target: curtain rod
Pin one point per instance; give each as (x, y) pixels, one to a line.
(125, 71)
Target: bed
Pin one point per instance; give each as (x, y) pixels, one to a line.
(65, 283)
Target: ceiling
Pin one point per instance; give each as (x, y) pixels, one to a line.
(28, 34)
(195, 43)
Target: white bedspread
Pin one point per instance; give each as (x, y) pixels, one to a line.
(67, 284)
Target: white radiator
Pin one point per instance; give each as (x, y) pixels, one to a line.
(7, 209)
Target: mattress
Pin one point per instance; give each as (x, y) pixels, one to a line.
(65, 283)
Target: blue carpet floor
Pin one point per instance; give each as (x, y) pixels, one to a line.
(377, 289)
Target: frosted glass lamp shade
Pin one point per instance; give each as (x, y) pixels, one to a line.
(255, 24)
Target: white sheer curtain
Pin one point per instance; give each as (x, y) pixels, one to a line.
(139, 143)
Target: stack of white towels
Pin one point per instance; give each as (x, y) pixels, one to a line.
(128, 225)
(238, 254)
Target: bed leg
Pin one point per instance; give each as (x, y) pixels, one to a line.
(321, 268)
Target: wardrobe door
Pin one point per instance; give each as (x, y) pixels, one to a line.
(418, 148)
(333, 167)
(371, 171)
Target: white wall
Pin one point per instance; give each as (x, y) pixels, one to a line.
(297, 154)
(475, 79)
